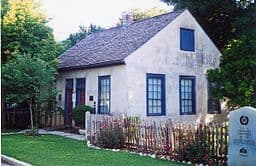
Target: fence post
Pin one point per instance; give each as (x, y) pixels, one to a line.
(94, 107)
(87, 124)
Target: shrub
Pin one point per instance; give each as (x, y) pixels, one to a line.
(31, 132)
(197, 150)
(78, 114)
(110, 136)
(193, 148)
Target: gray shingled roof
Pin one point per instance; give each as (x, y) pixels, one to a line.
(113, 45)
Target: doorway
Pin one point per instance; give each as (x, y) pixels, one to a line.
(68, 101)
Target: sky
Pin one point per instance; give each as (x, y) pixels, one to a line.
(66, 15)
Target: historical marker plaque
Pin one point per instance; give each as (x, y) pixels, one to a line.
(242, 137)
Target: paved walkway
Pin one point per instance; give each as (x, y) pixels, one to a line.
(3, 163)
(60, 133)
(63, 134)
(10, 161)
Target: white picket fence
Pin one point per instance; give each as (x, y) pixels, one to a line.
(93, 123)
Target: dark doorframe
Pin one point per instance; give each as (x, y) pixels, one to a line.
(68, 101)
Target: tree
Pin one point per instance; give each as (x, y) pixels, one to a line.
(139, 14)
(24, 31)
(236, 77)
(25, 79)
(81, 34)
(222, 20)
(4, 8)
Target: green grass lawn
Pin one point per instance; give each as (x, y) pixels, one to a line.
(48, 150)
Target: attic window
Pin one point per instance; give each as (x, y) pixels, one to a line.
(187, 39)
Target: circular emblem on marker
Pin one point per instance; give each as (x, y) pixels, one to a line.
(244, 120)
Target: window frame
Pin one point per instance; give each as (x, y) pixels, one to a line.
(84, 89)
(181, 35)
(193, 91)
(99, 93)
(163, 94)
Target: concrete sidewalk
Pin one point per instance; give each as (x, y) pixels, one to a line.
(63, 134)
(59, 133)
(10, 161)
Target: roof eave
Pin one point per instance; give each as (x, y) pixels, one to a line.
(97, 65)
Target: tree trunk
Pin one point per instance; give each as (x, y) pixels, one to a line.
(50, 118)
(45, 119)
(3, 114)
(36, 116)
(31, 115)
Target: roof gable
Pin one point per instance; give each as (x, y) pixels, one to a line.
(113, 45)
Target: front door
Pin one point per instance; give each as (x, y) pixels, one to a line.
(68, 101)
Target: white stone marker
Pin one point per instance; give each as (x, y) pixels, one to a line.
(242, 137)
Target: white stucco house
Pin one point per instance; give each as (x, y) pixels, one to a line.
(152, 68)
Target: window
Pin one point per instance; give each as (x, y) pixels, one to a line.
(155, 94)
(80, 91)
(213, 104)
(187, 39)
(104, 95)
(187, 95)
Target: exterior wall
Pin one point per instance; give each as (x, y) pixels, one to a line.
(118, 97)
(162, 55)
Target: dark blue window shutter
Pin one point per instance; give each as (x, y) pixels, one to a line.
(187, 39)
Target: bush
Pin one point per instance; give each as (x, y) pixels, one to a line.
(111, 136)
(31, 132)
(193, 148)
(78, 114)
